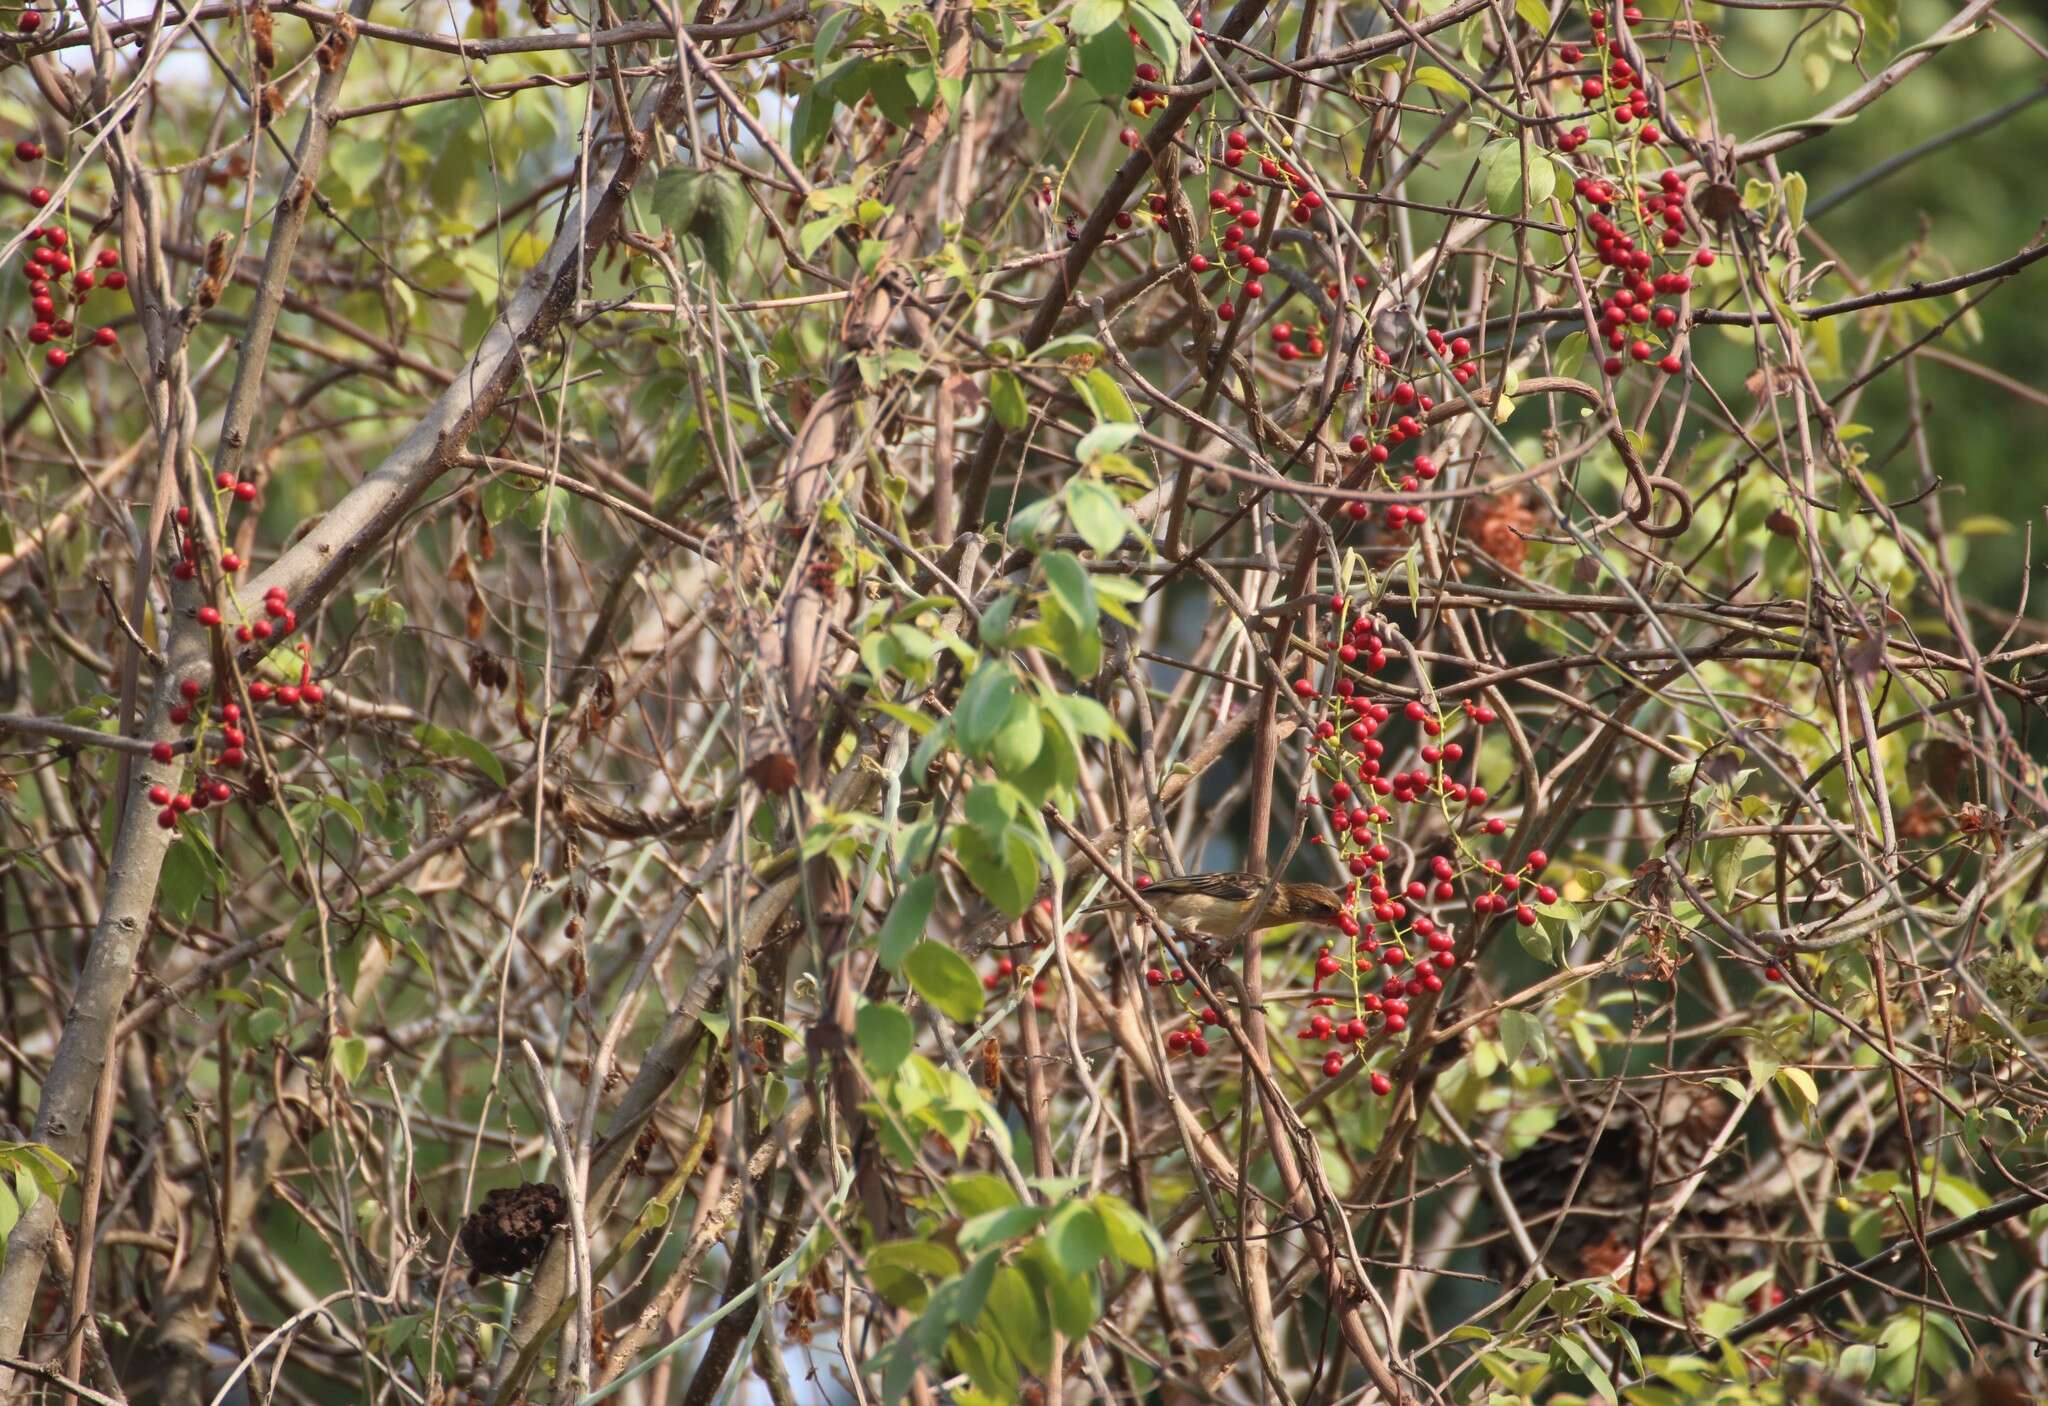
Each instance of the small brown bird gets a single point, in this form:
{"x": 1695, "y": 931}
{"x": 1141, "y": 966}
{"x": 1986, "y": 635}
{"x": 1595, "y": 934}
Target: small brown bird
{"x": 1222, "y": 905}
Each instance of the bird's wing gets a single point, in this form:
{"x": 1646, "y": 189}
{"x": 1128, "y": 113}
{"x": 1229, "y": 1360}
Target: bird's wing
{"x": 1230, "y": 887}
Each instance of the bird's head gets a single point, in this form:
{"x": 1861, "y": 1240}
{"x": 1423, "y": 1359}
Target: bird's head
{"x": 1313, "y": 903}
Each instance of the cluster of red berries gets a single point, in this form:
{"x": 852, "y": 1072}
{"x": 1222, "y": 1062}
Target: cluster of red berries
{"x": 1634, "y": 227}
{"x": 206, "y": 789}
{"x": 1388, "y": 918}
{"x": 1391, "y": 421}
{"x": 1038, "y": 924}
{"x": 1509, "y": 890}
{"x": 46, "y": 265}
{"x": 1619, "y": 85}
{"x": 187, "y": 566}
{"x": 1631, "y": 303}
{"x": 231, "y": 741}
{"x": 1240, "y": 241}
{"x": 1291, "y": 343}
{"x": 1144, "y": 99}
{"x": 1193, "y": 1040}
{"x": 1007, "y": 971}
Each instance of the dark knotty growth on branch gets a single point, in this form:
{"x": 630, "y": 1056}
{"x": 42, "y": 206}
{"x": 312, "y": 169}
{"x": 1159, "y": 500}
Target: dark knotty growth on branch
{"x": 507, "y": 1234}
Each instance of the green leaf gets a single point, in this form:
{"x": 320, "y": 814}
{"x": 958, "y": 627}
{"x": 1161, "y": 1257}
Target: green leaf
{"x": 985, "y": 705}
{"x": 1002, "y": 867}
{"x": 1019, "y": 741}
{"x": 1591, "y": 1370}
{"x": 1006, "y": 399}
{"x": 905, "y": 925}
{"x": 1104, "y": 439}
{"x": 904, "y": 92}
{"x": 1107, "y": 397}
{"x": 1131, "y": 1237}
{"x": 1076, "y": 1237}
{"x": 1534, "y": 14}
{"x": 899, "y": 1268}
{"x": 942, "y": 976}
{"x": 885, "y": 1035}
{"x": 998, "y": 1227}
{"x": 1070, "y": 586}
{"x": 711, "y": 206}
{"x": 829, "y": 32}
{"x": 1044, "y": 81}
{"x": 1438, "y": 81}
{"x": 1504, "y": 177}
{"x": 1794, "y": 186}
{"x": 1089, "y": 718}
{"x": 1070, "y": 1296}
{"x": 1570, "y": 354}
{"x": 1109, "y": 61}
{"x": 192, "y": 873}
{"x": 351, "y": 1057}
{"x": 448, "y": 742}
{"x": 1521, "y": 1032}
{"x": 976, "y": 1193}
{"x": 1094, "y": 16}
{"x": 1098, "y": 515}
{"x": 1800, "y": 1089}
{"x": 1019, "y": 1316}
{"x": 1072, "y": 344}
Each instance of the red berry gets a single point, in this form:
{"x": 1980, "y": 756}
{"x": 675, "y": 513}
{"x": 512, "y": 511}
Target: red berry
{"x": 30, "y": 21}
{"x": 1381, "y": 1084}
{"x": 117, "y": 280}
{"x": 1772, "y": 973}
{"x": 167, "y": 818}
{"x": 208, "y": 616}
{"x": 162, "y": 752}
{"x": 1129, "y": 137}
{"x": 27, "y": 151}
{"x": 39, "y": 196}
{"x": 106, "y": 336}
{"x": 56, "y": 238}
{"x": 232, "y": 758}
{"x": 107, "y": 258}
{"x": 58, "y": 358}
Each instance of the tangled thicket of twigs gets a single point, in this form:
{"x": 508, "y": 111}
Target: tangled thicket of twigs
{"x": 572, "y": 666}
